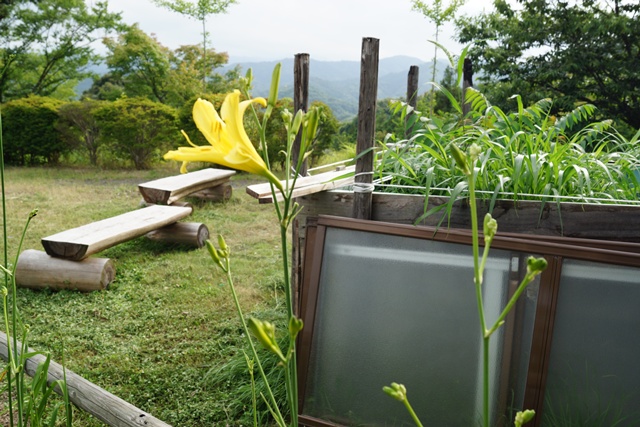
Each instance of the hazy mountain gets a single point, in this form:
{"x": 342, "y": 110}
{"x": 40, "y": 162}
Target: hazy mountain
{"x": 337, "y": 83}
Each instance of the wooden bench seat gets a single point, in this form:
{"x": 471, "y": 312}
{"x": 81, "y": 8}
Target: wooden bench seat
{"x": 80, "y": 242}
{"x": 306, "y": 185}
{"x": 165, "y": 191}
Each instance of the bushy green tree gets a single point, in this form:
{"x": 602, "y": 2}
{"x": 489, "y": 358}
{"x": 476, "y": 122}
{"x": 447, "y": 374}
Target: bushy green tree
{"x": 78, "y": 126}
{"x": 138, "y": 129}
{"x": 573, "y": 52}
{"x": 141, "y": 66}
{"x": 328, "y": 130}
{"x": 30, "y": 135}
{"x": 45, "y": 45}
{"x": 199, "y": 11}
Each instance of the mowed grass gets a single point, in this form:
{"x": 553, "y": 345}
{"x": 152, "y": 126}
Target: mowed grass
{"x": 168, "y": 317}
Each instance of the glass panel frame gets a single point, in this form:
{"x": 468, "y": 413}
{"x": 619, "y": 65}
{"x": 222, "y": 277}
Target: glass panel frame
{"x": 553, "y": 249}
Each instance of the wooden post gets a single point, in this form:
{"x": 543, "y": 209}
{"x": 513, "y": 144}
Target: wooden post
{"x": 412, "y": 95}
{"x": 87, "y": 396}
{"x": 362, "y": 188}
{"x": 300, "y": 102}
{"x": 37, "y": 270}
{"x": 467, "y": 82}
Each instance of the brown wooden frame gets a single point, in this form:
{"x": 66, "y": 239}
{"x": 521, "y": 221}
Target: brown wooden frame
{"x": 554, "y": 249}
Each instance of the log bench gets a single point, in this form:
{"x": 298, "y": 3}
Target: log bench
{"x": 209, "y": 184}
{"x": 66, "y": 263}
{"x": 80, "y": 242}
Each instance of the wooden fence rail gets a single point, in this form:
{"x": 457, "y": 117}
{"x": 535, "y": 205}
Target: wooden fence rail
{"x": 87, "y": 396}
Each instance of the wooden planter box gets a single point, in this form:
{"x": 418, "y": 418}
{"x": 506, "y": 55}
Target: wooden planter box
{"x": 619, "y": 223}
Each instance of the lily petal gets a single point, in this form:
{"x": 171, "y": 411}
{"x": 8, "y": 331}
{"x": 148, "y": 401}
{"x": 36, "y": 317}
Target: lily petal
{"x": 229, "y": 143}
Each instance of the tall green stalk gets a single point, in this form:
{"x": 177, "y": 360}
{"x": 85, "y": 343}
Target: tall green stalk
{"x": 535, "y": 266}
{"x": 286, "y": 210}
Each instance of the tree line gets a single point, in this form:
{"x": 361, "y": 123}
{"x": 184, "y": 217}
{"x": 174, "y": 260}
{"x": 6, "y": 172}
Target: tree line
{"x": 129, "y": 116}
{"x": 573, "y": 53}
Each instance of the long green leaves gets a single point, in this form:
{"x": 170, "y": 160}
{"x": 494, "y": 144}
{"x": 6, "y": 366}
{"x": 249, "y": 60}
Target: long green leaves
{"x": 527, "y": 154}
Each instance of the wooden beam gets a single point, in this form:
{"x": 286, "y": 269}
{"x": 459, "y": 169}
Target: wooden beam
{"x": 412, "y": 95}
{"x": 80, "y": 242}
{"x": 37, "y": 270}
{"x": 366, "y": 127}
{"x": 300, "y": 102}
{"x": 306, "y": 185}
{"x": 87, "y": 396}
{"x": 165, "y": 191}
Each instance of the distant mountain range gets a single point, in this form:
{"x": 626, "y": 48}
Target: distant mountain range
{"x": 337, "y": 83}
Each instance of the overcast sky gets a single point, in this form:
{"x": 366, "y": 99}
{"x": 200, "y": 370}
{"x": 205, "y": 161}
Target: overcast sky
{"x": 329, "y": 30}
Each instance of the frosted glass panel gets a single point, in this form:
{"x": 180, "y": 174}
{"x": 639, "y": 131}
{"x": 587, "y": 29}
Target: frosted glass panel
{"x": 594, "y": 378}
{"x": 396, "y": 309}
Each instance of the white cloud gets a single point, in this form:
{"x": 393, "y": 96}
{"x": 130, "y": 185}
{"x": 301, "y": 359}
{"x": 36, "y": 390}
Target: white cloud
{"x": 277, "y": 29}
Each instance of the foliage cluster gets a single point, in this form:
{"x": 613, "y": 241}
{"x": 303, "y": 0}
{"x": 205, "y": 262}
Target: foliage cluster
{"x": 51, "y": 62}
{"x": 527, "y": 154}
{"x": 127, "y": 131}
{"x": 573, "y": 52}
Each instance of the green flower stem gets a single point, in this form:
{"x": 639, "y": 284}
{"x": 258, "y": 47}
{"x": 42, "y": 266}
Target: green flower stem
{"x": 415, "y": 418}
{"x": 478, "y": 284}
{"x": 512, "y": 302}
{"x": 291, "y": 371}
{"x": 279, "y": 417}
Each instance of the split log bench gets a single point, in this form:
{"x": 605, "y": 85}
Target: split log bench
{"x": 208, "y": 184}
{"x": 66, "y": 265}
{"x": 306, "y": 185}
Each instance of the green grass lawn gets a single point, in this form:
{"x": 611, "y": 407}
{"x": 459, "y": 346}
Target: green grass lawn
{"x": 168, "y": 317}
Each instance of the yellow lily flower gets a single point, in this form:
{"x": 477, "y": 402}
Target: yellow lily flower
{"x": 230, "y": 144}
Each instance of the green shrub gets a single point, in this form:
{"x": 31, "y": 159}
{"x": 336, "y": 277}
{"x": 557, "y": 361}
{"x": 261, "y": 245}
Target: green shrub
{"x": 30, "y": 133}
{"x": 79, "y": 128}
{"x": 138, "y": 130}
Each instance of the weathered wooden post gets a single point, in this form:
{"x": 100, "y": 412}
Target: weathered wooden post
{"x": 363, "y": 187}
{"x": 300, "y": 100}
{"x": 412, "y": 95}
{"x": 467, "y": 82}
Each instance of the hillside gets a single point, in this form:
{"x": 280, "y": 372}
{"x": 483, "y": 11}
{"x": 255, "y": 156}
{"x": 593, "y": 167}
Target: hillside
{"x": 337, "y": 83}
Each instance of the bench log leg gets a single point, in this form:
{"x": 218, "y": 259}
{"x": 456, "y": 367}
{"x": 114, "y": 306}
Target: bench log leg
{"x": 185, "y": 233}
{"x": 219, "y": 193}
{"x": 37, "y": 270}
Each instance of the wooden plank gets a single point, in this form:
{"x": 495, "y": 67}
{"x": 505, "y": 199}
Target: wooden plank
{"x": 78, "y": 243}
{"x": 585, "y": 221}
{"x": 306, "y": 185}
{"x": 106, "y": 407}
{"x": 167, "y": 190}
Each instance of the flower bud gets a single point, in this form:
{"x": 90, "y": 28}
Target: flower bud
{"x": 295, "y": 326}
{"x": 536, "y": 265}
{"x": 214, "y": 255}
{"x": 460, "y": 158}
{"x": 397, "y": 391}
{"x": 474, "y": 152}
{"x": 33, "y": 213}
{"x": 524, "y": 417}
{"x": 490, "y": 228}
{"x": 265, "y": 333}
